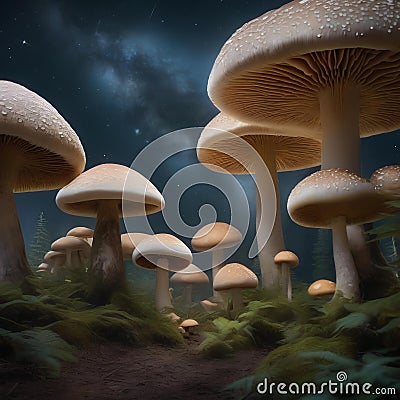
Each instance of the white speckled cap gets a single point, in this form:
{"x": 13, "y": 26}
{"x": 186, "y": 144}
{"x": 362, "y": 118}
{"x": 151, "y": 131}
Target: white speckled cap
{"x": 331, "y": 193}
{"x": 217, "y": 235}
{"x": 386, "y": 180}
{"x": 225, "y": 142}
{"x": 110, "y": 182}
{"x": 190, "y": 275}
{"x": 272, "y": 69}
{"x": 165, "y": 247}
{"x": 43, "y": 147}
{"x": 233, "y": 276}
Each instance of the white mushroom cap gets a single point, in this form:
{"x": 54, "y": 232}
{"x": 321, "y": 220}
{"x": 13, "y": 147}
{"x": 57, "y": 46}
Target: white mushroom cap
{"x": 190, "y": 275}
{"x": 324, "y": 195}
{"x": 386, "y": 180}
{"x": 138, "y": 196}
{"x": 272, "y": 69}
{"x": 149, "y": 251}
{"x": 129, "y": 242}
{"x": 217, "y": 235}
{"x": 43, "y": 267}
{"x": 45, "y": 150}
{"x": 233, "y": 276}
{"x": 288, "y": 258}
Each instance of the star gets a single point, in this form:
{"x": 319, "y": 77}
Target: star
{"x": 25, "y": 43}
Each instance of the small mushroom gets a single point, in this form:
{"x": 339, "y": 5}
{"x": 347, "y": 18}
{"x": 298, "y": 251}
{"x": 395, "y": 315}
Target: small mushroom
{"x": 162, "y": 252}
{"x": 322, "y": 288}
{"x": 285, "y": 260}
{"x": 72, "y": 246}
{"x": 43, "y": 267}
{"x": 129, "y": 242}
{"x": 386, "y": 182}
{"x": 55, "y": 260}
{"x": 189, "y": 325}
{"x": 188, "y": 277}
{"x": 82, "y": 232}
{"x": 234, "y": 278}
{"x": 210, "y": 306}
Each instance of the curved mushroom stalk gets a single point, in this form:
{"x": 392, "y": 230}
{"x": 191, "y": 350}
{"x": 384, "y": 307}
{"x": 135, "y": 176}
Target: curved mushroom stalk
{"x": 13, "y": 263}
{"x": 106, "y": 267}
{"x": 347, "y": 282}
{"x": 163, "y": 297}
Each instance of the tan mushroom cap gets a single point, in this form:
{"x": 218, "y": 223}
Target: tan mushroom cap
{"x": 189, "y": 323}
{"x": 233, "y": 276}
{"x": 44, "y": 150}
{"x": 129, "y": 242}
{"x": 322, "y": 287}
{"x": 217, "y": 235}
{"x": 43, "y": 267}
{"x": 272, "y": 69}
{"x": 288, "y": 258}
{"x": 81, "y": 232}
{"x": 163, "y": 246}
{"x": 386, "y": 180}
{"x": 51, "y": 256}
{"x": 71, "y": 243}
{"x": 138, "y": 196}
{"x": 331, "y": 193}
{"x": 224, "y": 143}
{"x": 190, "y": 275}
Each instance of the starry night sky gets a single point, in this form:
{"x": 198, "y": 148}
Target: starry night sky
{"x": 123, "y": 73}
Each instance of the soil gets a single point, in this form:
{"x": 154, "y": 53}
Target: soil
{"x": 116, "y": 372}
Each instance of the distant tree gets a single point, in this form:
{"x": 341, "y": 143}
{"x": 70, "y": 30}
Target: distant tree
{"x": 322, "y": 254}
{"x": 40, "y": 243}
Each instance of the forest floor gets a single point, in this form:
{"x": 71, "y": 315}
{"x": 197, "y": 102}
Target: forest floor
{"x": 116, "y": 372}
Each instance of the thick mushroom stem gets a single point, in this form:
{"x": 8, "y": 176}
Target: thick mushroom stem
{"x": 237, "y": 300}
{"x": 163, "y": 298}
{"x": 217, "y": 261}
{"x": 347, "y": 281}
{"x": 266, "y": 198}
{"x": 106, "y": 267}
{"x": 13, "y": 263}
{"x": 187, "y": 295}
{"x": 286, "y": 282}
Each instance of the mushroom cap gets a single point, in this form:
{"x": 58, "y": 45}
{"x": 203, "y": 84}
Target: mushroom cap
{"x": 45, "y": 150}
{"x": 288, "y": 258}
{"x": 71, "y": 243}
{"x": 129, "y": 242}
{"x": 386, "y": 180}
{"x": 43, "y": 267}
{"x": 322, "y": 287}
{"x": 189, "y": 323}
{"x": 110, "y": 182}
{"x": 217, "y": 235}
{"x": 233, "y": 276}
{"x": 228, "y": 144}
{"x": 324, "y": 195}
{"x": 150, "y": 251}
{"x": 51, "y": 256}
{"x": 190, "y": 275}
{"x": 272, "y": 69}
{"x": 81, "y": 232}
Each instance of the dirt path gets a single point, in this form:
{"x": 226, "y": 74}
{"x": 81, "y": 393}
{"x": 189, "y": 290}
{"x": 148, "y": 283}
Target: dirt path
{"x": 115, "y": 372}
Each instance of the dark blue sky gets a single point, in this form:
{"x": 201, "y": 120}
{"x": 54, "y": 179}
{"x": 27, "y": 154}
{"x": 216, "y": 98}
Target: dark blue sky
{"x": 123, "y": 73}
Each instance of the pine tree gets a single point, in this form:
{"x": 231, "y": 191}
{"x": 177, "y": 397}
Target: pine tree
{"x": 40, "y": 243}
{"x": 322, "y": 254}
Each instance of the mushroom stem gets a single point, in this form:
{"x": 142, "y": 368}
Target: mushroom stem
{"x": 289, "y": 287}
{"x": 163, "y": 298}
{"x": 106, "y": 267}
{"x": 237, "y": 300}
{"x": 346, "y": 274}
{"x": 187, "y": 295}
{"x": 286, "y": 281}
{"x": 13, "y": 263}
{"x": 266, "y": 198}
{"x": 217, "y": 261}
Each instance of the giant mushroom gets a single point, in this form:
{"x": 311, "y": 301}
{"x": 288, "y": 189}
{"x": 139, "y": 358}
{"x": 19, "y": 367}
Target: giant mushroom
{"x": 162, "y": 252}
{"x": 38, "y": 151}
{"x": 327, "y": 68}
{"x": 99, "y": 192}
{"x": 230, "y": 146}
